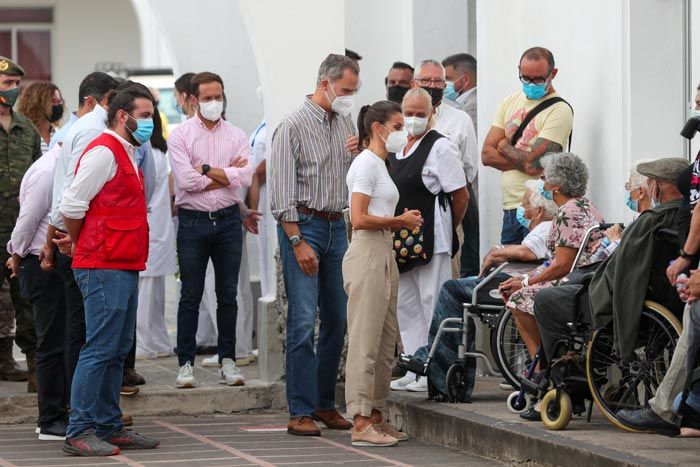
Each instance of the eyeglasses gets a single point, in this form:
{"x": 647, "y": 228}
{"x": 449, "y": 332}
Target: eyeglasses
{"x": 534, "y": 79}
{"x": 435, "y": 83}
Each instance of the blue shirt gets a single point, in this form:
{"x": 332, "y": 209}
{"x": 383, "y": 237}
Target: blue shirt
{"x": 60, "y": 135}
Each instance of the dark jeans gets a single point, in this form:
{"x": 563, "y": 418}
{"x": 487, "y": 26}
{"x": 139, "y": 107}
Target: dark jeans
{"x": 111, "y": 297}
{"x": 75, "y": 314}
{"x": 555, "y": 307}
{"x": 25, "y": 337}
{"x": 198, "y": 239}
{"x": 312, "y": 375}
{"x": 512, "y": 233}
{"x": 469, "y": 258}
{"x": 45, "y": 291}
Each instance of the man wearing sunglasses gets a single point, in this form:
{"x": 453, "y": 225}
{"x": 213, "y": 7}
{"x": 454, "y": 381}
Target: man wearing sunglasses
{"x": 517, "y": 153}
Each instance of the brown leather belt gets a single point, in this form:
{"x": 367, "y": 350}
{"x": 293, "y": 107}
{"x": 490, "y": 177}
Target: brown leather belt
{"x": 327, "y": 215}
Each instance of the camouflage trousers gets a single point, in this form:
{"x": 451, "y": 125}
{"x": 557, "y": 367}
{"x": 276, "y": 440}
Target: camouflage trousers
{"x": 13, "y": 307}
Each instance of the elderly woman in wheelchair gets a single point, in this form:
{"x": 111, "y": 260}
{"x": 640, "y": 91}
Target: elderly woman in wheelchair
{"x": 621, "y": 363}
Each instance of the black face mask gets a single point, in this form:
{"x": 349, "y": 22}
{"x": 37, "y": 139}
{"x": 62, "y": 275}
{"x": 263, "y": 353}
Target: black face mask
{"x": 396, "y": 93}
{"x": 56, "y": 113}
{"x": 435, "y": 95}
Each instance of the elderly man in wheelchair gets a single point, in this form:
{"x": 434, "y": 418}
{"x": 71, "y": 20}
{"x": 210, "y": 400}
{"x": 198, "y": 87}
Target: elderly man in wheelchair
{"x": 535, "y": 214}
{"x": 631, "y": 306}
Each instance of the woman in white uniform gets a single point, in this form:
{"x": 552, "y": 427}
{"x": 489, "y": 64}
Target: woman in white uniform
{"x": 429, "y": 176}
{"x": 152, "y": 338}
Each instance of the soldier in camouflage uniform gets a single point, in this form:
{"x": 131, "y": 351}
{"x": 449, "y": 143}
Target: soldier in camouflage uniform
{"x": 20, "y": 145}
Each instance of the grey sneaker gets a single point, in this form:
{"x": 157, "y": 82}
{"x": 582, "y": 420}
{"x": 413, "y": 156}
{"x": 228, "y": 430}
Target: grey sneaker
{"x": 129, "y": 439}
{"x": 55, "y": 432}
{"x": 87, "y": 444}
{"x": 230, "y": 374}
{"x": 185, "y": 377}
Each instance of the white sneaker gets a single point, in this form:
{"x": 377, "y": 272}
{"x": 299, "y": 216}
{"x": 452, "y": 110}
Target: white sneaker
{"x": 185, "y": 377}
{"x": 212, "y": 361}
{"x": 418, "y": 386}
{"x": 229, "y": 373}
{"x": 401, "y": 383}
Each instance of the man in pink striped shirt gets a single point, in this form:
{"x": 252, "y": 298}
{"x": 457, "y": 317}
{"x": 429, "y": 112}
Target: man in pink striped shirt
{"x": 210, "y": 163}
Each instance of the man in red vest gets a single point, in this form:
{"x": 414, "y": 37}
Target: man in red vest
{"x": 105, "y": 210}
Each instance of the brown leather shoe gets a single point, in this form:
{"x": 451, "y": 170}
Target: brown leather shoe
{"x": 128, "y": 390}
{"x": 131, "y": 378}
{"x": 302, "y": 426}
{"x": 332, "y": 419}
{"x": 127, "y": 419}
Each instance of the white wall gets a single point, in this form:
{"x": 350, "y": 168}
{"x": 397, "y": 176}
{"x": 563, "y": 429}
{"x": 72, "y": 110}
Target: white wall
{"x": 87, "y": 32}
{"x": 210, "y": 36}
{"x": 621, "y": 71}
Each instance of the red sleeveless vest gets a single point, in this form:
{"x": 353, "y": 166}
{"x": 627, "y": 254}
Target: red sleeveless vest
{"x": 115, "y": 231}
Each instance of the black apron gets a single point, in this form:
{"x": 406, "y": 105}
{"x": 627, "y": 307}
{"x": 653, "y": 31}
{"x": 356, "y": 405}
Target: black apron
{"x": 415, "y": 247}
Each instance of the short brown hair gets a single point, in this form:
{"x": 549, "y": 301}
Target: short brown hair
{"x": 204, "y": 78}
{"x": 537, "y": 53}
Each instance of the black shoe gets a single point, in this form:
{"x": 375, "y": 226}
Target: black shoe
{"x": 131, "y": 378}
{"x": 55, "y": 432}
{"x": 531, "y": 415}
{"x": 129, "y": 439}
{"x": 647, "y": 421}
{"x": 87, "y": 444}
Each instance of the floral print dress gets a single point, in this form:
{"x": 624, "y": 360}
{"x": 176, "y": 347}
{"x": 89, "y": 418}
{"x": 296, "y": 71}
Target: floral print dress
{"x": 569, "y": 226}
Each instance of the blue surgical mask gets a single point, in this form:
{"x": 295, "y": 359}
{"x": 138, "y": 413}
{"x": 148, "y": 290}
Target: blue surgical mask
{"x": 144, "y": 130}
{"x": 520, "y": 215}
{"x": 695, "y": 113}
{"x": 535, "y": 91}
{"x": 546, "y": 194}
{"x": 633, "y": 204}
{"x": 449, "y": 92}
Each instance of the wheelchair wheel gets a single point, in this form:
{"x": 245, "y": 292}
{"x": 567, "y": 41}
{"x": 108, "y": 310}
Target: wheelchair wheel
{"x": 455, "y": 384}
{"x": 556, "y": 411}
{"x": 513, "y": 405}
{"x": 617, "y": 385}
{"x": 509, "y": 351}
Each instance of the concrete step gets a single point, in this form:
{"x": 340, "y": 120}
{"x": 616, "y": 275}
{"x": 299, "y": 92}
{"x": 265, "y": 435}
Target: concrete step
{"x": 485, "y": 428}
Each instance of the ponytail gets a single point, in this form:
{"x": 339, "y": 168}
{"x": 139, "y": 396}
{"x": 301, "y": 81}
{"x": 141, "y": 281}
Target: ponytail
{"x": 362, "y": 132}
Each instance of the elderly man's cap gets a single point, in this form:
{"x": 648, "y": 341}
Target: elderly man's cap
{"x": 666, "y": 170}
{"x": 8, "y": 67}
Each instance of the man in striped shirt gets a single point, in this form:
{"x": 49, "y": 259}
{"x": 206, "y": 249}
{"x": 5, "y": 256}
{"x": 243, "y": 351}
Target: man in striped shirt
{"x": 210, "y": 164}
{"x": 309, "y": 161}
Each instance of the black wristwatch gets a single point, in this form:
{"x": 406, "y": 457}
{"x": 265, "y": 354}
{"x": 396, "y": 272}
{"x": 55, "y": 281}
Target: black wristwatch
{"x": 296, "y": 239}
{"x": 205, "y": 168}
{"x": 685, "y": 255}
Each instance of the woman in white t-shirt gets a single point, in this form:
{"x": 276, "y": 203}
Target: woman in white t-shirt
{"x": 370, "y": 274}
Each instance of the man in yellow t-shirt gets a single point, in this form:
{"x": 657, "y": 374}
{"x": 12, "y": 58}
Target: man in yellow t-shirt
{"x": 548, "y": 132}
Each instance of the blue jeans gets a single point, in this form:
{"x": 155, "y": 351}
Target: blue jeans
{"x": 198, "y": 239}
{"x": 110, "y": 297}
{"x": 512, "y": 233}
{"x": 311, "y": 376}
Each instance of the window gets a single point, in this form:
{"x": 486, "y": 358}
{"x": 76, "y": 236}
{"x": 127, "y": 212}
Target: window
{"x": 25, "y": 37}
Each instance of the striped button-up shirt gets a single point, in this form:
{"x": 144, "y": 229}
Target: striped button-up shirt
{"x": 309, "y": 162}
{"x": 191, "y": 145}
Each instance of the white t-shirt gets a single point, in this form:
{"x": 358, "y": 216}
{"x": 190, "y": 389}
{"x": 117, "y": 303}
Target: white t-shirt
{"x": 457, "y": 125}
{"x": 536, "y": 240}
{"x": 368, "y": 175}
{"x": 442, "y": 171}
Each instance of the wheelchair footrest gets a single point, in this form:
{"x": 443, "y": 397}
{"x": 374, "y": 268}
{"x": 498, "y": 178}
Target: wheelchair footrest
{"x": 415, "y": 365}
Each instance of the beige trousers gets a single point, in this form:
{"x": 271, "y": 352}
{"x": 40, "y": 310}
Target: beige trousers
{"x": 371, "y": 280}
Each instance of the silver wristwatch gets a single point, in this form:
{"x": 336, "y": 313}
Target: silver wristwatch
{"x": 295, "y": 239}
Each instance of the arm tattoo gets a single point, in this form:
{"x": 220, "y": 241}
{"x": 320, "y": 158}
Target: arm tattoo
{"x": 524, "y": 160}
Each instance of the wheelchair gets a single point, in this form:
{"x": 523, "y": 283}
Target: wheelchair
{"x": 589, "y": 371}
{"x": 508, "y": 349}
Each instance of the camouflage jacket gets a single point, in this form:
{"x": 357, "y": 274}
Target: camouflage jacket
{"x": 18, "y": 150}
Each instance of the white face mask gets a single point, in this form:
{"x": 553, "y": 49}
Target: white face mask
{"x": 695, "y": 113}
{"x": 396, "y": 140}
{"x": 342, "y": 104}
{"x": 415, "y": 125}
{"x": 211, "y": 110}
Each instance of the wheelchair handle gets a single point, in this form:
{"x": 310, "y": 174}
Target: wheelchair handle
{"x": 607, "y": 225}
